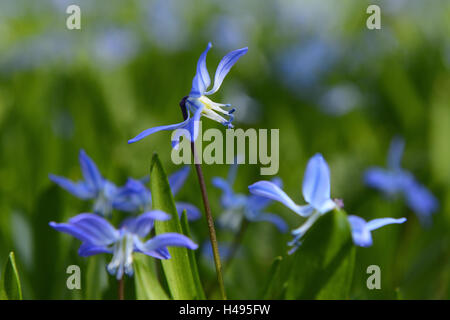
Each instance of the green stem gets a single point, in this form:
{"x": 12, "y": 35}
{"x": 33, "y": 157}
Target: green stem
{"x": 210, "y": 221}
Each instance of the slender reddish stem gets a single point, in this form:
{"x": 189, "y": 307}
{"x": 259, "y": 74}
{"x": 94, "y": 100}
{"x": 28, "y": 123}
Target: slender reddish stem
{"x": 121, "y": 289}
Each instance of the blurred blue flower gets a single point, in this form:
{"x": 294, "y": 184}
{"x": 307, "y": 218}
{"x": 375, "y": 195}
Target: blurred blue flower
{"x": 198, "y": 103}
{"x": 340, "y": 99}
{"x": 94, "y": 186}
{"x": 395, "y": 180}
{"x": 99, "y": 236}
{"x": 252, "y": 206}
{"x": 166, "y": 23}
{"x": 135, "y": 196}
{"x": 306, "y": 64}
{"x": 39, "y": 51}
{"x": 361, "y": 230}
{"x": 230, "y": 31}
{"x": 114, "y": 46}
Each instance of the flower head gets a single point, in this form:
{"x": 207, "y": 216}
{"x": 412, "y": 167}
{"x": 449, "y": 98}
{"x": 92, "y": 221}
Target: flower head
{"x": 135, "y": 196}
{"x": 361, "y": 230}
{"x": 252, "y": 206}
{"x": 93, "y": 186}
{"x": 316, "y": 191}
{"x": 396, "y": 180}
{"x": 99, "y": 236}
{"x": 197, "y": 101}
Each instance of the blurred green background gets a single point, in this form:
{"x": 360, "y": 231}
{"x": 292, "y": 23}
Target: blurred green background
{"x": 313, "y": 70}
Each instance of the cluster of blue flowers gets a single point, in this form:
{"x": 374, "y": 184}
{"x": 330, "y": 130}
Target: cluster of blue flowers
{"x": 98, "y": 235}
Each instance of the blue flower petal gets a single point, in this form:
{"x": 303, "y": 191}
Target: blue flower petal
{"x": 78, "y": 189}
{"x": 272, "y": 191}
{"x": 258, "y": 203}
{"x": 301, "y": 231}
{"x": 180, "y": 132}
{"x": 138, "y": 189}
{"x": 110, "y": 190}
{"x": 90, "y": 228}
{"x": 150, "y": 131}
{"x": 396, "y": 153}
{"x": 326, "y": 205}
{"x": 127, "y": 200}
{"x": 274, "y": 219}
{"x": 361, "y": 229}
{"x": 383, "y": 180}
{"x": 360, "y": 232}
{"x": 229, "y": 199}
{"x": 87, "y": 249}
{"x": 91, "y": 174}
{"x": 316, "y": 184}
{"x": 161, "y": 253}
{"x": 232, "y": 171}
{"x": 177, "y": 179}
{"x": 222, "y": 184}
{"x": 378, "y": 223}
{"x": 421, "y": 201}
{"x": 201, "y": 80}
{"x": 193, "y": 125}
{"x": 167, "y": 240}
{"x": 142, "y": 224}
{"x": 224, "y": 67}
{"x": 192, "y": 212}
{"x": 133, "y": 196}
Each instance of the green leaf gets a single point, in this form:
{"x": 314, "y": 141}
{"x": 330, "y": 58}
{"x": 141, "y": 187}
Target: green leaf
{"x": 10, "y": 288}
{"x": 274, "y": 272}
{"x": 322, "y": 266}
{"x": 46, "y": 244}
{"x": 192, "y": 260}
{"x": 177, "y": 269}
{"x": 146, "y": 281}
{"x": 96, "y": 277}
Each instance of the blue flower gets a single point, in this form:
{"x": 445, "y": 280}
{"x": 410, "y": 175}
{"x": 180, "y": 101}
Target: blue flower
{"x": 99, "y": 236}
{"x": 94, "y": 186}
{"x": 395, "y": 180}
{"x": 252, "y": 206}
{"x": 197, "y": 101}
{"x": 316, "y": 191}
{"x": 361, "y": 230}
{"x": 135, "y": 196}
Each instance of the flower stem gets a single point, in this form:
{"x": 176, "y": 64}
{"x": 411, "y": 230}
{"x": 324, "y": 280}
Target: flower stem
{"x": 210, "y": 221}
{"x": 120, "y": 289}
{"x": 209, "y": 218}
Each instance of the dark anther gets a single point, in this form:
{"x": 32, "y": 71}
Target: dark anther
{"x": 183, "y": 107}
